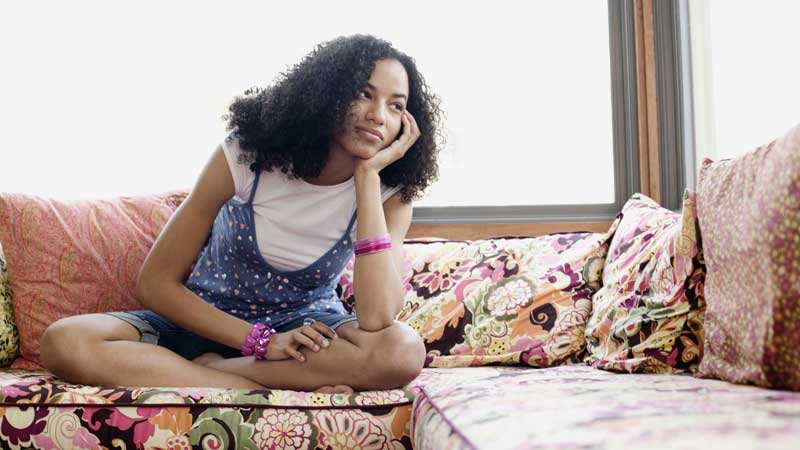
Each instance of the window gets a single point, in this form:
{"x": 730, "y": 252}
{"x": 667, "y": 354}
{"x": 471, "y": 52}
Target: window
{"x": 746, "y": 74}
{"x": 125, "y": 99}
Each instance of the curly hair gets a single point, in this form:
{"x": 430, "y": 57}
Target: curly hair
{"x": 290, "y": 124}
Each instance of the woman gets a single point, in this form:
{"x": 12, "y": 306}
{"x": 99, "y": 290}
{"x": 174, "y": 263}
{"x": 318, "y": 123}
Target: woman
{"x": 322, "y": 164}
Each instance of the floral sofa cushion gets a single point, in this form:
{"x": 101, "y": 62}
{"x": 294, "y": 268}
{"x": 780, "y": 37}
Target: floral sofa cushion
{"x": 9, "y": 337}
{"x": 579, "y": 407}
{"x": 39, "y": 411}
{"x": 503, "y": 300}
{"x": 749, "y": 209}
{"x": 648, "y": 316}
{"x": 75, "y": 257}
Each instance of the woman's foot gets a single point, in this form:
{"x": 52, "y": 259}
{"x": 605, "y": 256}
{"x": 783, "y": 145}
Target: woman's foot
{"x": 338, "y": 389}
{"x": 207, "y": 358}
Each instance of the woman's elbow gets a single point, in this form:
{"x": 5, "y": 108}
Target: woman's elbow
{"x": 377, "y": 321}
{"x": 373, "y": 324}
{"x": 144, "y": 289}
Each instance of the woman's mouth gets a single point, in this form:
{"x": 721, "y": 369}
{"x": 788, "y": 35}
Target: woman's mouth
{"x": 370, "y": 135}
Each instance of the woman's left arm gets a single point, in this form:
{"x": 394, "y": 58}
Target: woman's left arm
{"x": 377, "y": 283}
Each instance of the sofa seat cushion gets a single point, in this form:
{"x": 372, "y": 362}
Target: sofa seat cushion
{"x": 577, "y": 406}
{"x": 40, "y": 411}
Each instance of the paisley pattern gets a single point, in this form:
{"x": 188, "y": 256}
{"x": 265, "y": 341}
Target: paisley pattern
{"x": 749, "y": 210}
{"x": 648, "y": 316}
{"x": 506, "y": 300}
{"x": 490, "y": 407}
{"x": 578, "y": 407}
{"x": 9, "y": 337}
{"x": 75, "y": 257}
{"x": 39, "y": 411}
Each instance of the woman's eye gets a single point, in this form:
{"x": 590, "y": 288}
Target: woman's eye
{"x": 363, "y": 94}
{"x": 399, "y": 106}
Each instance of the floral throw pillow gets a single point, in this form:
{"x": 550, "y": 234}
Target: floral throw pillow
{"x": 749, "y": 209}
{"x": 75, "y": 257}
{"x": 505, "y": 300}
{"x": 9, "y": 337}
{"x": 648, "y": 315}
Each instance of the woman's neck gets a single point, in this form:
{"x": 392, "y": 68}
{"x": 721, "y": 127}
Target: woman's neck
{"x": 337, "y": 170}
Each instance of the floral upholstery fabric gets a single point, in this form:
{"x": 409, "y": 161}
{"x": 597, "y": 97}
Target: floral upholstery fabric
{"x": 749, "y": 210}
{"x": 38, "y": 411}
{"x": 648, "y": 316}
{"x": 578, "y": 407}
{"x": 9, "y": 337}
{"x": 507, "y": 301}
{"x": 77, "y": 257}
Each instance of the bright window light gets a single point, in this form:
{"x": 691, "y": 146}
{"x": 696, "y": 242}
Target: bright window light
{"x": 754, "y": 73}
{"x": 103, "y": 99}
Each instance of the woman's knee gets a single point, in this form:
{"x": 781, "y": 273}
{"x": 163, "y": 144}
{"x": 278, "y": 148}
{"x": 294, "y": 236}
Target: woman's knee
{"x": 66, "y": 340}
{"x": 397, "y": 356}
{"x": 59, "y": 343}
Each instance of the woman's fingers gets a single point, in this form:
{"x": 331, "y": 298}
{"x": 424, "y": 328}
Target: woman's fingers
{"x": 414, "y": 127}
{"x": 294, "y": 353}
{"x": 324, "y": 329}
{"x": 410, "y": 131}
{"x": 303, "y": 338}
{"x": 315, "y": 335}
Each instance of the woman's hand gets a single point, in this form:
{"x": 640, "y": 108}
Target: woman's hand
{"x": 287, "y": 344}
{"x": 396, "y": 150}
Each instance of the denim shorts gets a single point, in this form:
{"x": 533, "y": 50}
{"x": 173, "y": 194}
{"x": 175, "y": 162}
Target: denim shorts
{"x": 156, "y": 329}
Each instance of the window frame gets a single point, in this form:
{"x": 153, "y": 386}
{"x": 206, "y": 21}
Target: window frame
{"x": 675, "y": 140}
{"x": 625, "y": 148}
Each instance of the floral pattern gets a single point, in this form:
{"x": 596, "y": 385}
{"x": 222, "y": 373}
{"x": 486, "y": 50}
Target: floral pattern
{"x": 506, "y": 300}
{"x": 9, "y": 336}
{"x": 42, "y": 412}
{"x": 579, "y": 407}
{"x": 648, "y": 316}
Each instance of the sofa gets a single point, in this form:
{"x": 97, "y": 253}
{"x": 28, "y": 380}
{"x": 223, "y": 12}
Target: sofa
{"x": 669, "y": 330}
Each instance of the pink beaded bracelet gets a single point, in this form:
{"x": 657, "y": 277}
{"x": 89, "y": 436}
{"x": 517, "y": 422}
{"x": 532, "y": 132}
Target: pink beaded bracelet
{"x": 372, "y": 245}
{"x": 255, "y": 344}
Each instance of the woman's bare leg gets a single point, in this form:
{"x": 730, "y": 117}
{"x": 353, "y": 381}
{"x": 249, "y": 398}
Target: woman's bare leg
{"x": 99, "y": 349}
{"x": 208, "y": 358}
{"x": 385, "y": 359}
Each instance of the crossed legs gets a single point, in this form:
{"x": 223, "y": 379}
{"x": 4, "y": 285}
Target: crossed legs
{"x": 364, "y": 360}
{"x": 99, "y": 349}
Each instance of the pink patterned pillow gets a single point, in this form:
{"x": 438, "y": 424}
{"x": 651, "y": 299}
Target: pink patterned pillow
{"x": 749, "y": 210}
{"x": 648, "y": 316}
{"x": 500, "y": 301}
{"x": 77, "y": 257}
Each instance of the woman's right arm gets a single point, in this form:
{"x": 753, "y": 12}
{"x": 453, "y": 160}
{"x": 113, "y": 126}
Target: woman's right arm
{"x": 160, "y": 283}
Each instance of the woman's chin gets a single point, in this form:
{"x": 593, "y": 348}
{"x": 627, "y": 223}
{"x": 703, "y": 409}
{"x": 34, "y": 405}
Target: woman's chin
{"x": 364, "y": 153}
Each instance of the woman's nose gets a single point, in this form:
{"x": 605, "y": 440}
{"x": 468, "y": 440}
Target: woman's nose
{"x": 376, "y": 114}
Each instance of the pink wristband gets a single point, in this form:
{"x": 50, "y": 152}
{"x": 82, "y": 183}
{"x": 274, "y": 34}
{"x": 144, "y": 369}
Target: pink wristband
{"x": 255, "y": 344}
{"x": 372, "y": 245}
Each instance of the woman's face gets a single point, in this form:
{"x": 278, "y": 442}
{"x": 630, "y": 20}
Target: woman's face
{"x": 374, "y": 120}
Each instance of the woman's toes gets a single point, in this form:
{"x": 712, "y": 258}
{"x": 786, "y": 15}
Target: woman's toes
{"x": 338, "y": 389}
{"x": 342, "y": 389}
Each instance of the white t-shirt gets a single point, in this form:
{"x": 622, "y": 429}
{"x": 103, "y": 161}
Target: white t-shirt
{"x": 296, "y": 222}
